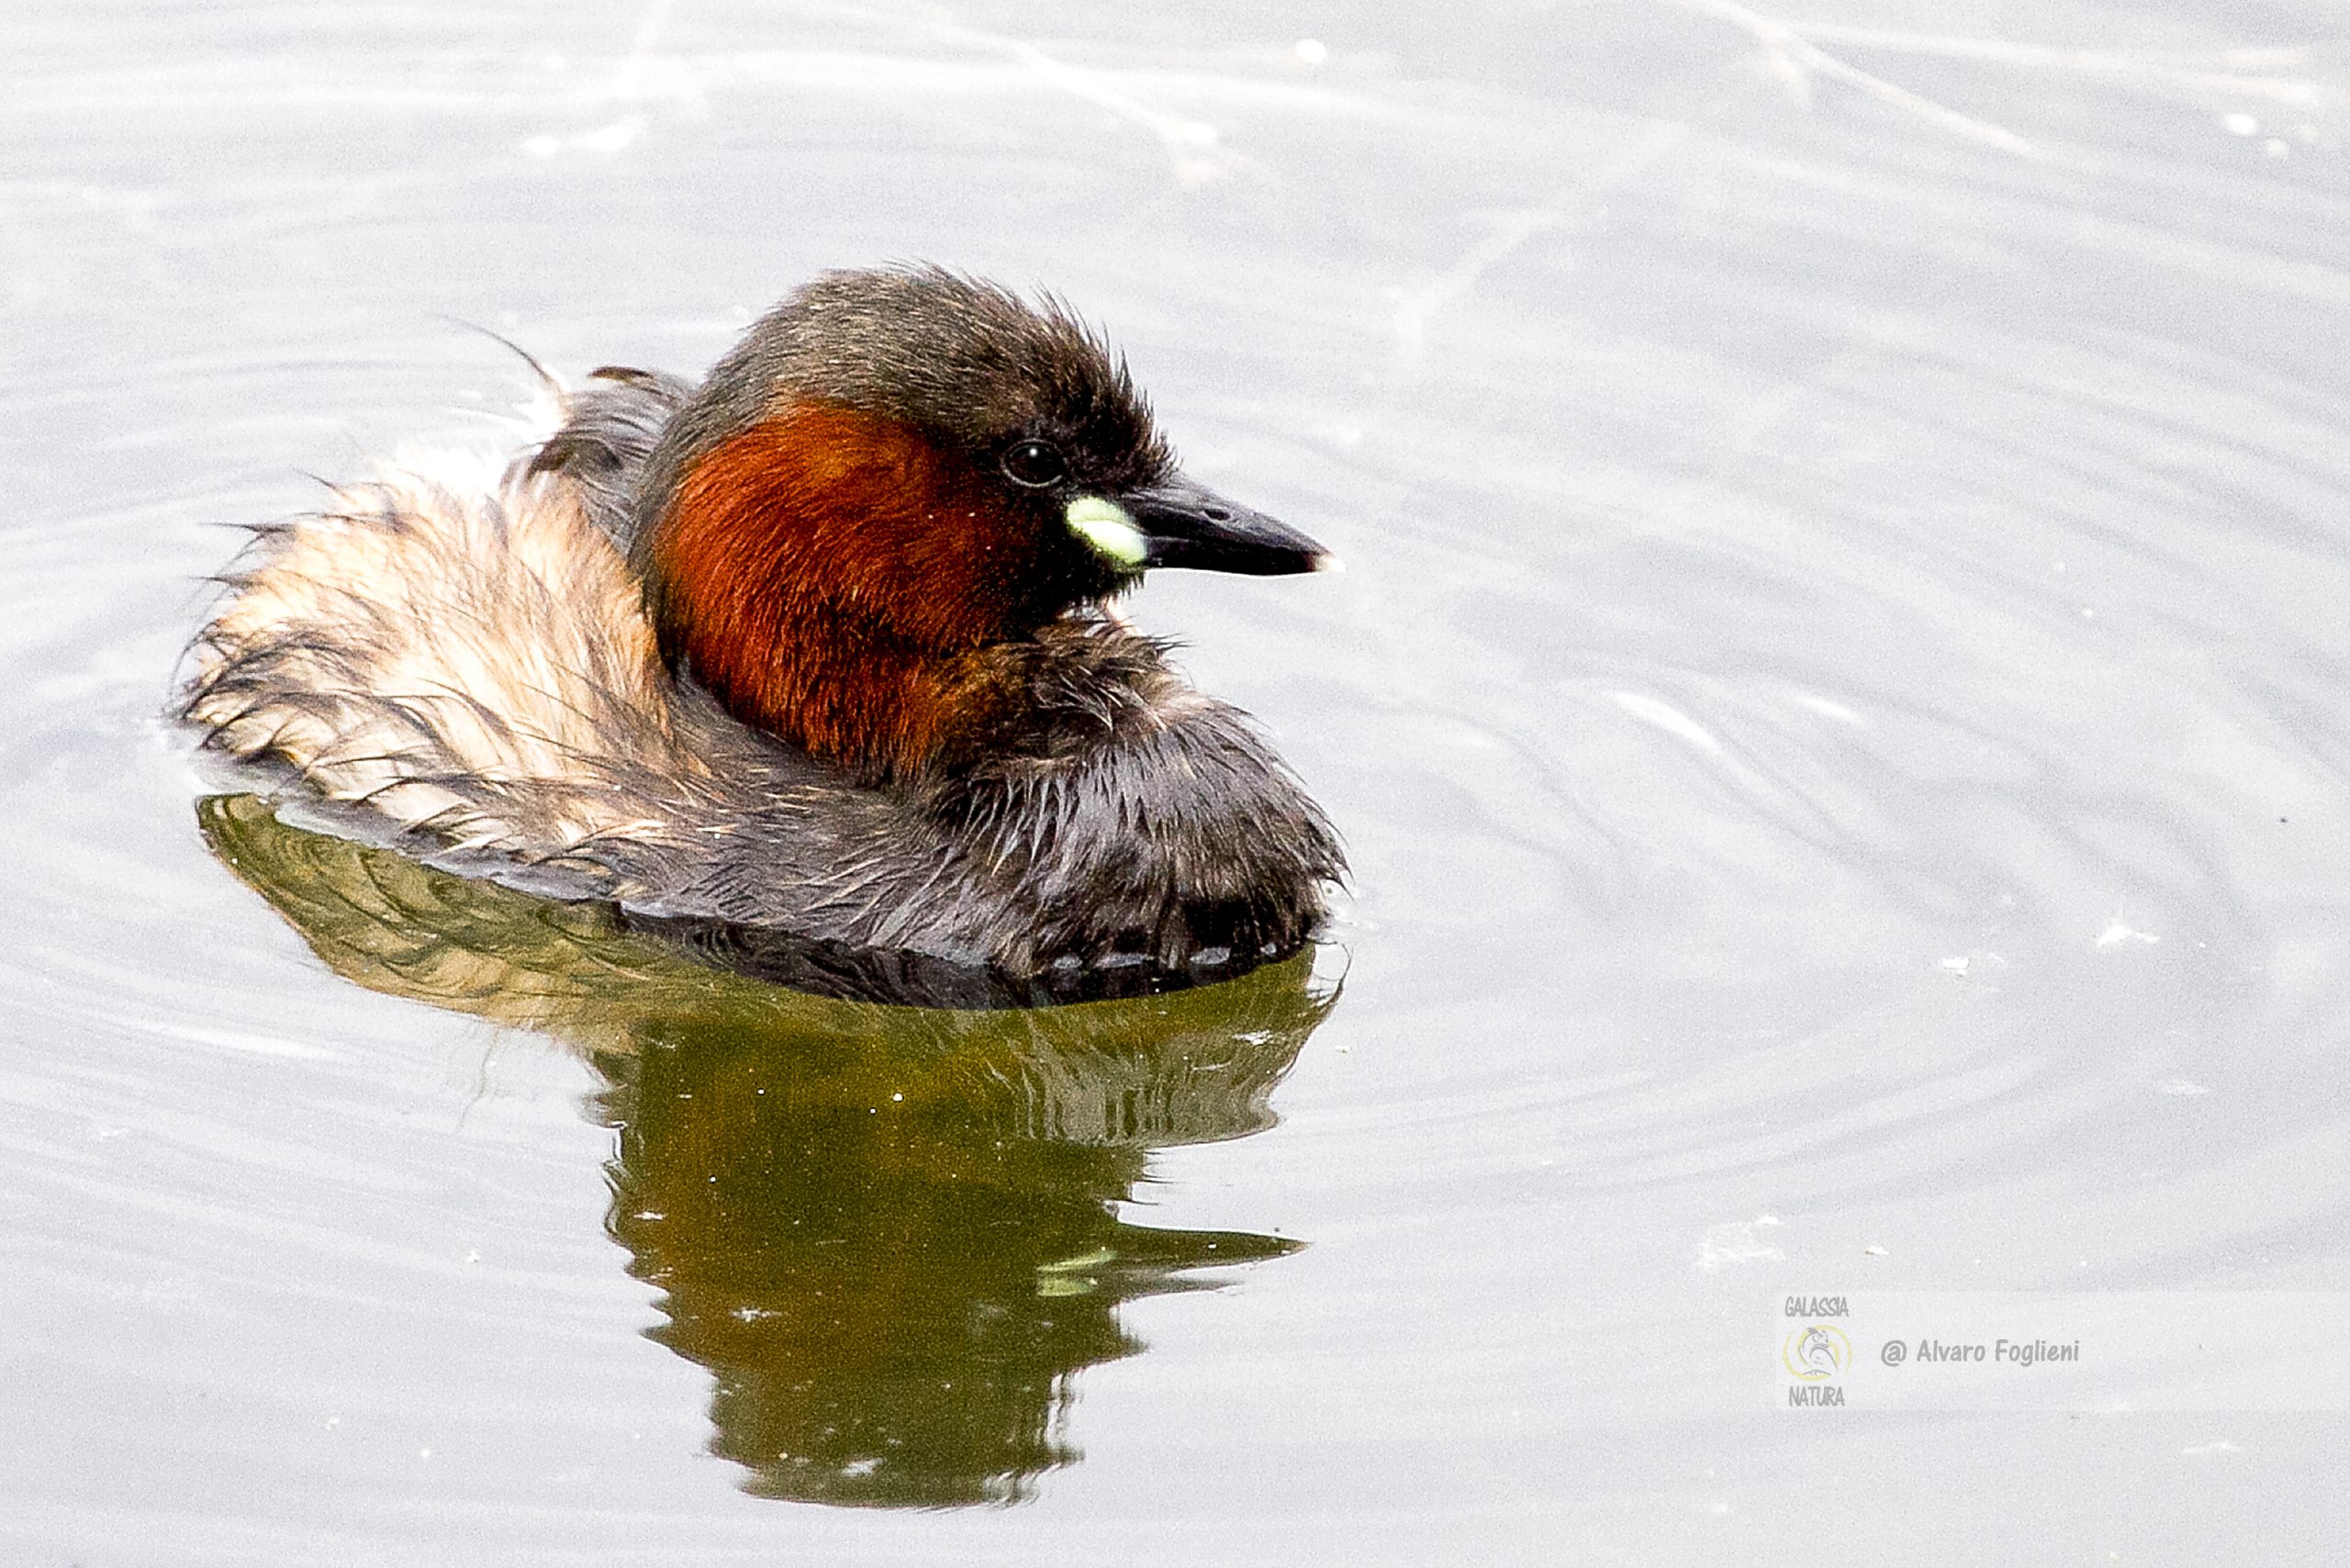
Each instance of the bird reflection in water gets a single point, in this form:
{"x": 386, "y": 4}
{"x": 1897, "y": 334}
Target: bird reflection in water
{"x": 892, "y": 1234}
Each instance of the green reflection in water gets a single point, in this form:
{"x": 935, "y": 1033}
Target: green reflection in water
{"x": 890, "y": 1233}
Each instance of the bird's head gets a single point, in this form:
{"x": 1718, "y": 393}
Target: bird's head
{"x": 892, "y": 470}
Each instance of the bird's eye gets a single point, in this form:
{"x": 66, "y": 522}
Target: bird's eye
{"x": 1034, "y": 465}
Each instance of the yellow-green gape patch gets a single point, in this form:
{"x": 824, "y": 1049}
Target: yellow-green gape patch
{"x": 1105, "y": 526}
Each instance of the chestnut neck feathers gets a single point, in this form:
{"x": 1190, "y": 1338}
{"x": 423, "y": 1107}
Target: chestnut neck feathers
{"x": 850, "y": 523}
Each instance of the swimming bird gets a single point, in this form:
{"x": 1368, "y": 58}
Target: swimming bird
{"x": 822, "y": 647}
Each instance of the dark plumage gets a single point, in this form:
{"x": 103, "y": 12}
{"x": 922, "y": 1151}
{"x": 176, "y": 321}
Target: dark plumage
{"x": 812, "y": 648}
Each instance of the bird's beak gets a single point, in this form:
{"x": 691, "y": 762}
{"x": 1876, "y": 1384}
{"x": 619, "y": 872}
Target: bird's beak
{"x": 1184, "y": 523}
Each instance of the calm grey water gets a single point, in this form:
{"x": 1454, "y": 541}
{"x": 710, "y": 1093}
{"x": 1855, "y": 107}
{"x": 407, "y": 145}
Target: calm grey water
{"x": 1838, "y": 705}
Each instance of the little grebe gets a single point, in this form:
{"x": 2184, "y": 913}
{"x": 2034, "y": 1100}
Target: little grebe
{"x": 817, "y": 646}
